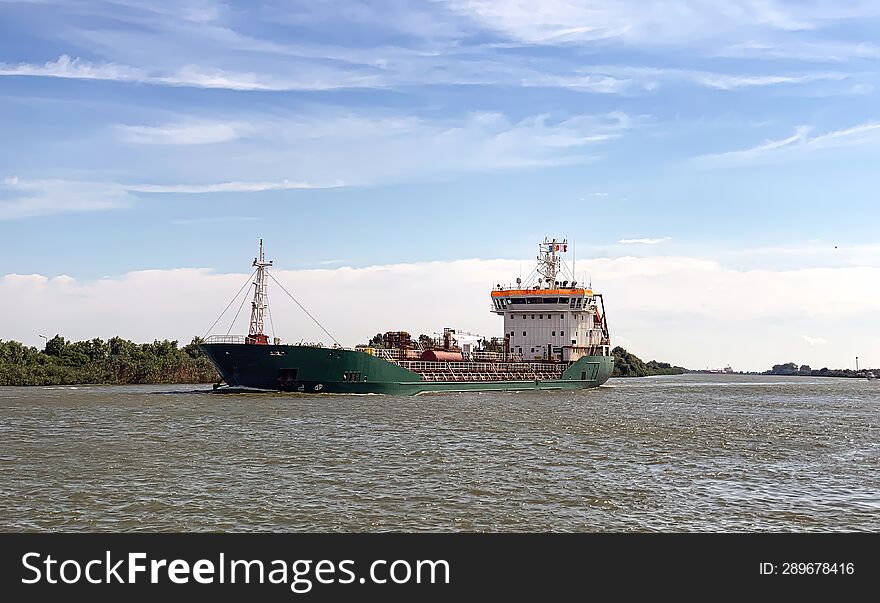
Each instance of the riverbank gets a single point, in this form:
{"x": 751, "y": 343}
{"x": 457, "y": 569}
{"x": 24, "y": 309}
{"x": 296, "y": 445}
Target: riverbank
{"x": 114, "y": 362}
{"x": 122, "y": 362}
{"x": 627, "y": 364}
{"x": 793, "y": 370}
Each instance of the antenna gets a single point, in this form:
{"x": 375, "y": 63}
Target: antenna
{"x": 574, "y": 258}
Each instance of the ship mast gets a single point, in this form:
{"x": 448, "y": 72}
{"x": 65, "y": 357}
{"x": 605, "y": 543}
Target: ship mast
{"x": 258, "y": 306}
{"x": 549, "y": 263}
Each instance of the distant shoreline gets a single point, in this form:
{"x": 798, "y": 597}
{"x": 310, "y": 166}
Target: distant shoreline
{"x": 791, "y": 369}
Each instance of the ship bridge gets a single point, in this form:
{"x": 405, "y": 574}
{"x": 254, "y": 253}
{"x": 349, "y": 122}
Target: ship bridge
{"x": 548, "y": 317}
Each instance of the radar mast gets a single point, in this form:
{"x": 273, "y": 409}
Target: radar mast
{"x": 258, "y": 305}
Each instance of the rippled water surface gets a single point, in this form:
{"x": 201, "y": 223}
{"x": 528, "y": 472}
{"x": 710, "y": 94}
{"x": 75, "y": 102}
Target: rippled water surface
{"x": 691, "y": 453}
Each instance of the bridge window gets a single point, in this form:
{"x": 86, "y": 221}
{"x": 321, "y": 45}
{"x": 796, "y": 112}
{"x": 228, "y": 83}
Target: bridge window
{"x": 551, "y": 300}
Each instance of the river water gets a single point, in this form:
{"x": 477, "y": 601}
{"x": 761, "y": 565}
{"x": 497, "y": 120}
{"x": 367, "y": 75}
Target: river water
{"x": 689, "y": 453}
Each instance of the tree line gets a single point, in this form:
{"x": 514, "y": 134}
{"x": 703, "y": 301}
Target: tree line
{"x": 791, "y": 369}
{"x": 114, "y": 362}
{"x": 627, "y": 364}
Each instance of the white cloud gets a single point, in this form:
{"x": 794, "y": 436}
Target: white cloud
{"x": 724, "y": 81}
{"x": 799, "y": 142}
{"x": 643, "y": 241}
{"x": 328, "y": 148}
{"x": 813, "y": 341}
{"x": 411, "y": 67}
{"x": 636, "y": 22}
{"x": 181, "y": 133}
{"x": 650, "y": 78}
{"x": 684, "y": 310}
{"x": 75, "y": 68}
{"x": 29, "y": 198}
{"x": 214, "y": 220}
{"x": 804, "y": 50}
{"x": 190, "y": 76}
{"x": 227, "y": 187}
{"x": 319, "y": 151}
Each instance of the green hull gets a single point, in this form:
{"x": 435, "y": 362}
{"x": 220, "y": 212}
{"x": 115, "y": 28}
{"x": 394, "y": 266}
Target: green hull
{"x": 323, "y": 370}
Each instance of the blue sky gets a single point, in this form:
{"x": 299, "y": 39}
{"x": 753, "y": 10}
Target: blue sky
{"x": 144, "y": 135}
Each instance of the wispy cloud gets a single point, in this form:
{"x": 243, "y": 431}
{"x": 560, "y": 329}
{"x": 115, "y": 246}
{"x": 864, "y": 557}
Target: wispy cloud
{"x": 649, "y": 78}
{"x": 180, "y": 134}
{"x": 75, "y": 68}
{"x": 191, "y": 76}
{"x": 799, "y": 142}
{"x": 814, "y": 51}
{"x": 331, "y": 147}
{"x": 415, "y": 69}
{"x": 30, "y": 198}
{"x": 215, "y": 219}
{"x": 644, "y": 241}
{"x": 320, "y": 151}
{"x": 227, "y": 187}
{"x": 814, "y": 341}
{"x": 637, "y": 22}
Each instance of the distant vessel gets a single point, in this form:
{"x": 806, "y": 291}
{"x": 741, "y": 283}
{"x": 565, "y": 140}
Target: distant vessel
{"x": 870, "y": 376}
{"x": 555, "y": 337}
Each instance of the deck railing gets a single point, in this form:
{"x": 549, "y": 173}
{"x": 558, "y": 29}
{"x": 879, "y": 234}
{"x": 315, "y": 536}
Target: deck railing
{"x": 480, "y": 367}
{"x": 236, "y": 339}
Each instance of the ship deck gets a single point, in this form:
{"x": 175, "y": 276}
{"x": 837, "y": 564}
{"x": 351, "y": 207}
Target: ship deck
{"x": 485, "y": 371}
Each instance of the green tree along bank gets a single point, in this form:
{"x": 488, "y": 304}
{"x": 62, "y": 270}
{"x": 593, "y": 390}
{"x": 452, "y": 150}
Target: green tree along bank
{"x": 114, "y": 362}
{"x": 627, "y": 364}
{"x": 791, "y": 369}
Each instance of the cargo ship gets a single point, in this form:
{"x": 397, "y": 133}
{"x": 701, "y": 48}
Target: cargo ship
{"x": 555, "y": 338}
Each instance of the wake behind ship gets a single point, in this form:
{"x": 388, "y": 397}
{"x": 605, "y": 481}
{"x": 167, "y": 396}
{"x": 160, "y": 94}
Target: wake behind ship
{"x": 555, "y": 337}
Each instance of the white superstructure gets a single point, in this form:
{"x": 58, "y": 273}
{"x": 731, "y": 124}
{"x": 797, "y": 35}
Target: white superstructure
{"x": 549, "y": 317}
